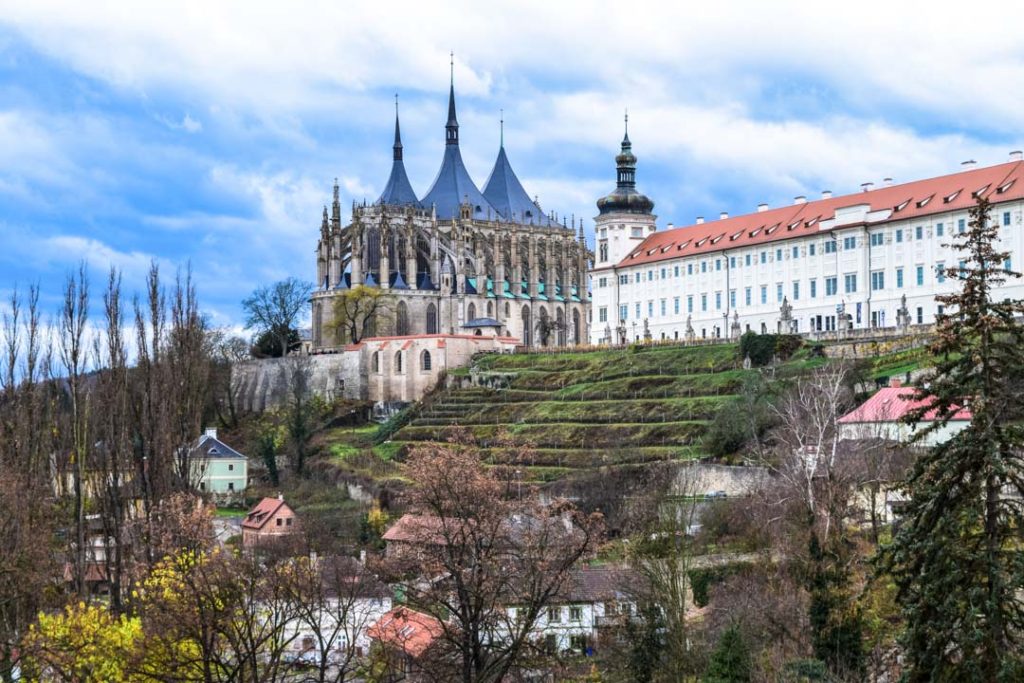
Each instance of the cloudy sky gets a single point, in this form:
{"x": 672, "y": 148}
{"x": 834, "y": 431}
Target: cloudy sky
{"x": 211, "y": 132}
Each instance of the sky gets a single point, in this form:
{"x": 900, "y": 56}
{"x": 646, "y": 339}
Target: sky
{"x": 209, "y": 134}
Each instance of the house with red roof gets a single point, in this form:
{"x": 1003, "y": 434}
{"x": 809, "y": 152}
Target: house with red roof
{"x": 406, "y": 637}
{"x": 271, "y": 520}
{"x": 883, "y": 416}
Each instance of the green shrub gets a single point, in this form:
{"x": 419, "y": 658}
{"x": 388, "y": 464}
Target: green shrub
{"x": 762, "y": 348}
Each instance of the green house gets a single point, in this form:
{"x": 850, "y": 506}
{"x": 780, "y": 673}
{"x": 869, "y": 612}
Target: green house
{"x": 218, "y": 468}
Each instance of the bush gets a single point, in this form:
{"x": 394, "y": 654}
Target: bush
{"x": 762, "y": 348}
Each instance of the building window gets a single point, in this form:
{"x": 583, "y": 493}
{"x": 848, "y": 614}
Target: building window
{"x": 623, "y": 312}
{"x": 638, "y": 310}
{"x": 877, "y": 239}
{"x": 718, "y": 264}
{"x": 961, "y": 225}
{"x": 920, "y": 315}
{"x": 940, "y": 229}
{"x": 425, "y": 361}
{"x": 940, "y": 272}
{"x": 1007, "y": 266}
{"x": 677, "y": 271}
{"x": 578, "y": 642}
{"x": 920, "y": 276}
{"x": 637, "y": 278}
{"x": 747, "y": 296}
{"x": 637, "y": 231}
{"x": 778, "y": 292}
{"x": 718, "y": 301}
{"x": 602, "y": 314}
{"x": 940, "y": 311}
{"x": 810, "y": 249}
{"x": 689, "y": 269}
{"x": 877, "y": 280}
{"x": 830, "y": 246}
{"x": 732, "y": 261}
{"x": 575, "y": 614}
{"x": 650, "y": 309}
{"x": 899, "y": 235}
{"x": 796, "y": 252}
{"x": 398, "y": 362}
{"x": 778, "y": 255}
{"x": 650, "y": 275}
{"x": 899, "y": 278}
{"x": 280, "y": 522}
{"x": 231, "y": 468}
{"x": 746, "y": 260}
{"x": 1006, "y": 218}
{"x": 831, "y": 286}
{"x": 664, "y": 272}
{"x": 602, "y": 251}
{"x": 850, "y": 282}
{"x": 231, "y": 486}
{"x": 431, "y": 319}
{"x": 814, "y": 288}
{"x": 849, "y": 243}
{"x": 703, "y": 302}
{"x": 764, "y": 294}
{"x": 376, "y": 361}
{"x": 732, "y": 298}
{"x": 663, "y": 308}
{"x": 919, "y": 232}
{"x": 554, "y": 615}
{"x": 602, "y": 282}
{"x": 764, "y": 257}
{"x": 675, "y": 305}
{"x": 703, "y": 266}
{"x": 624, "y": 279}
{"x": 288, "y": 521}
{"x": 796, "y": 290}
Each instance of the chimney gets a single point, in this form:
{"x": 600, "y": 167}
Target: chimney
{"x": 762, "y": 207}
{"x": 826, "y": 194}
{"x": 970, "y": 163}
{"x": 1016, "y": 155}
{"x": 670, "y": 226}
{"x": 866, "y": 187}
{"x": 700, "y": 220}
{"x": 887, "y": 182}
{"x": 211, "y": 432}
{"x": 280, "y": 497}
{"x": 895, "y": 382}
{"x": 800, "y": 199}
{"x": 722, "y": 216}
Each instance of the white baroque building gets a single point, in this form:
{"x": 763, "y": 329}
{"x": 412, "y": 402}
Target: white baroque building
{"x": 875, "y": 258}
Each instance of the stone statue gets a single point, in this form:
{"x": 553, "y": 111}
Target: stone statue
{"x": 690, "y": 334}
{"x": 647, "y": 331}
{"x": 903, "y": 314}
{"x": 735, "y": 332}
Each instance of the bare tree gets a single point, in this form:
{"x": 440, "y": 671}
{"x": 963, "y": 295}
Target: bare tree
{"x": 276, "y": 308}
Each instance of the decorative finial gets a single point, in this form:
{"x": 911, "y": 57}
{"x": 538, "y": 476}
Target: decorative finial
{"x": 451, "y": 56}
{"x": 502, "y": 127}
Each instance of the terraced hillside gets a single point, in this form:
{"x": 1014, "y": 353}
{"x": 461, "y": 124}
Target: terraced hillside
{"x": 587, "y": 409}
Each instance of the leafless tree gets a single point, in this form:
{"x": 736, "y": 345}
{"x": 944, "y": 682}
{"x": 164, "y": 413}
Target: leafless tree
{"x": 275, "y": 308}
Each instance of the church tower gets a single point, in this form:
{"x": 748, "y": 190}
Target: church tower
{"x": 625, "y": 216}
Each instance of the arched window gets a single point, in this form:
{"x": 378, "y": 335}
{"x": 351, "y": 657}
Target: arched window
{"x": 507, "y": 313}
{"x": 560, "y": 327}
{"x": 471, "y": 312}
{"x": 576, "y": 327}
{"x": 490, "y": 310}
{"x": 425, "y": 361}
{"x": 398, "y": 362}
{"x": 431, "y": 319}
{"x": 526, "y": 326}
{"x": 376, "y": 361}
{"x": 401, "y": 319}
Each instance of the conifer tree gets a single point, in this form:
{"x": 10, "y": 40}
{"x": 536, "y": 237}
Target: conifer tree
{"x": 731, "y": 661}
{"x": 957, "y": 558}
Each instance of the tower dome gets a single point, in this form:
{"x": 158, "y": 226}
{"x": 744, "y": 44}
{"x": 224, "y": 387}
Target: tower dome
{"x": 625, "y": 198}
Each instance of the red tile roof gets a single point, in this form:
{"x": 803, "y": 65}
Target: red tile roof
{"x": 425, "y": 529}
{"x": 891, "y": 404}
{"x": 407, "y": 630}
{"x": 920, "y": 198}
{"x": 262, "y": 513}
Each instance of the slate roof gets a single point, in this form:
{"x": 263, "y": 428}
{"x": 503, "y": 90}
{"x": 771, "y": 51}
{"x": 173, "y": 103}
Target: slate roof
{"x": 210, "y": 447}
{"x": 917, "y": 199}
{"x": 602, "y": 584}
{"x": 398, "y": 190}
{"x": 506, "y": 194}
{"x": 482, "y": 322}
{"x": 453, "y": 186}
{"x": 892, "y": 404}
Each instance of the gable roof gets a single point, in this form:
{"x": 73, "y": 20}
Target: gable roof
{"x": 212, "y": 447}
{"x": 892, "y": 404}
{"x": 263, "y": 512}
{"x": 407, "y": 630}
{"x": 602, "y": 584}
{"x": 917, "y": 199}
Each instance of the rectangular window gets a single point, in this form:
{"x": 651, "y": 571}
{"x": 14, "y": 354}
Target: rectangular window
{"x": 814, "y": 288}
{"x": 675, "y": 305}
{"x": 677, "y": 271}
{"x": 899, "y": 235}
{"x": 554, "y": 615}
{"x": 664, "y": 307}
{"x": 747, "y": 296}
{"x": 703, "y": 302}
{"x": 778, "y": 255}
{"x": 231, "y": 487}
{"x": 796, "y": 290}
{"x": 637, "y": 310}
{"x": 940, "y": 272}
{"x": 703, "y": 266}
{"x": 899, "y": 278}
{"x": 718, "y": 264}
{"x": 810, "y": 249}
{"x": 920, "y": 315}
{"x": 718, "y": 301}
{"x": 746, "y": 260}
{"x": 602, "y": 314}
{"x": 732, "y": 261}
{"x": 850, "y": 283}
{"x": 764, "y": 294}
{"x": 650, "y": 276}
{"x": 624, "y": 279}
{"x": 664, "y": 273}
{"x": 961, "y": 225}
{"x": 1006, "y": 217}
{"x": 231, "y": 468}
{"x": 778, "y": 292}
{"x": 940, "y": 229}
{"x": 732, "y": 298}
{"x": 638, "y": 277}
{"x": 849, "y": 243}
{"x": 830, "y": 246}
{"x": 650, "y": 309}
{"x": 877, "y": 239}
{"x": 689, "y": 269}
{"x": 764, "y": 257}
{"x": 831, "y": 286}
{"x": 961, "y": 266}
{"x": 796, "y": 252}
{"x": 602, "y": 282}
{"x": 919, "y": 232}
{"x": 1007, "y": 266}
{"x": 623, "y": 312}
{"x": 575, "y": 613}
{"x": 940, "y": 311}
{"x": 689, "y": 304}
{"x": 920, "y": 276}
{"x": 877, "y": 280}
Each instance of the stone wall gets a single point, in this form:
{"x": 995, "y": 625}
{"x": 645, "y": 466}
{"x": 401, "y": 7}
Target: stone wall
{"x": 263, "y": 384}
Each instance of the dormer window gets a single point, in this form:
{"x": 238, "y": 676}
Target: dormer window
{"x": 980, "y": 191}
{"x": 701, "y": 241}
{"x": 793, "y": 225}
{"x": 735, "y": 236}
{"x": 715, "y": 240}
{"x": 772, "y": 229}
{"x": 902, "y": 205}
{"x": 950, "y": 197}
{"x": 1004, "y": 187}
{"x": 756, "y": 231}
{"x": 924, "y": 202}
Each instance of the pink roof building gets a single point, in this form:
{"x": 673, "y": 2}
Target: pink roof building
{"x": 882, "y": 417}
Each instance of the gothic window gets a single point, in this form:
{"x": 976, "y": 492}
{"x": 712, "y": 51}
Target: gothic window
{"x": 376, "y": 361}
{"x": 372, "y": 249}
{"x": 507, "y": 314}
{"x": 398, "y": 362}
{"x": 526, "y": 325}
{"x": 471, "y": 312}
{"x": 490, "y": 310}
{"x": 425, "y": 361}
{"x": 560, "y": 327}
{"x": 401, "y": 319}
{"x": 431, "y": 319}
{"x": 603, "y": 251}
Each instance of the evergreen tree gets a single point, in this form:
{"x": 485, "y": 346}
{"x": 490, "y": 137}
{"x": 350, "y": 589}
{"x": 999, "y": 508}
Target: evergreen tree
{"x": 836, "y": 623}
{"x": 731, "y": 661}
{"x": 957, "y": 558}
{"x": 645, "y": 637}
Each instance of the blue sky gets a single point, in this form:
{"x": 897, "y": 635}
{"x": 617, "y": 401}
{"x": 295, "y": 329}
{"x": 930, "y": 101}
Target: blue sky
{"x": 211, "y": 133}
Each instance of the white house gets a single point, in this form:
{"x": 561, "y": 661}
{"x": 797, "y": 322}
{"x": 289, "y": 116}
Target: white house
{"x": 882, "y": 417}
{"x": 873, "y": 259}
{"x": 218, "y": 468}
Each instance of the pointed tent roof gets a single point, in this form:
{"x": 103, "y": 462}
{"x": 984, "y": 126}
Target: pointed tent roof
{"x": 453, "y": 186}
{"x": 398, "y": 190}
{"x": 506, "y": 194}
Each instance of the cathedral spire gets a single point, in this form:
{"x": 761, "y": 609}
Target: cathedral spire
{"x": 501, "y": 143}
{"x": 398, "y": 134}
{"x": 452, "y": 127}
